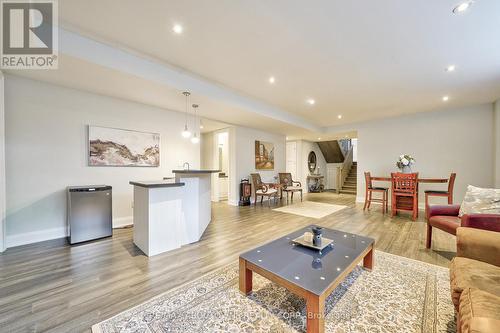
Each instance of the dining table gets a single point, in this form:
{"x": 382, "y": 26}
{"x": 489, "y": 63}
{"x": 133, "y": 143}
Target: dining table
{"x": 407, "y": 201}
{"x": 420, "y": 180}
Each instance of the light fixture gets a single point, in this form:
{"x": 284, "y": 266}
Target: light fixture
{"x": 450, "y": 68}
{"x": 319, "y": 138}
{"x": 339, "y": 116}
{"x": 462, "y": 7}
{"x": 186, "y": 133}
{"x": 177, "y": 28}
{"x": 445, "y": 98}
{"x": 195, "y": 139}
{"x": 201, "y": 124}
{"x": 272, "y": 80}
{"x": 311, "y": 101}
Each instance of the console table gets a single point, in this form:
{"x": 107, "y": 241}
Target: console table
{"x": 315, "y": 183}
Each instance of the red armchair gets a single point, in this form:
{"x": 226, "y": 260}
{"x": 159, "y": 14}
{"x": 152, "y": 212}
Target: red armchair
{"x": 446, "y": 218}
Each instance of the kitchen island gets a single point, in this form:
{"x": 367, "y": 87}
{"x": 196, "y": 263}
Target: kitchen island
{"x": 196, "y": 201}
{"x": 170, "y": 213}
{"x": 158, "y": 219}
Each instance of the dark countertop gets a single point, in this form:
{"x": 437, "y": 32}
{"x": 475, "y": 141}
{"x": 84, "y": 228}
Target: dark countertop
{"x": 195, "y": 171}
{"x": 156, "y": 183}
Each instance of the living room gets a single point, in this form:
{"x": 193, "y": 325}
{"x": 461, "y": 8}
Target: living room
{"x": 197, "y": 166}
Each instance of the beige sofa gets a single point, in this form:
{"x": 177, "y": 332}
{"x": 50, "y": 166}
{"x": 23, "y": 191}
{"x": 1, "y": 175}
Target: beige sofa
{"x": 475, "y": 281}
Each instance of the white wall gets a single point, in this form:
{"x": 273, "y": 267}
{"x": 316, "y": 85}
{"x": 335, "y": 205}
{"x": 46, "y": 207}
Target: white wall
{"x": 497, "y": 143}
{"x": 207, "y": 149}
{"x": 303, "y": 150}
{"x": 46, "y": 151}
{"x": 459, "y": 140}
{"x": 2, "y": 166}
{"x": 242, "y": 155}
{"x": 331, "y": 175}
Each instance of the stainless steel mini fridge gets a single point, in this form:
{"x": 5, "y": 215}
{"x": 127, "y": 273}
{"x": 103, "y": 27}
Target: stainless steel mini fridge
{"x": 89, "y": 212}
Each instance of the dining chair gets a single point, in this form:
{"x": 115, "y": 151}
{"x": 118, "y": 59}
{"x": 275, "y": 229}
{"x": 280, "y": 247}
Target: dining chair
{"x": 404, "y": 188}
{"x": 370, "y": 189}
{"x": 262, "y": 189}
{"x": 289, "y": 185}
{"x": 448, "y": 194}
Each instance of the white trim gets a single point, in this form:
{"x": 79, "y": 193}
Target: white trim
{"x": 36, "y": 236}
{"x": 121, "y": 222}
{"x": 232, "y": 202}
{"x": 3, "y": 222}
{"x": 55, "y": 233}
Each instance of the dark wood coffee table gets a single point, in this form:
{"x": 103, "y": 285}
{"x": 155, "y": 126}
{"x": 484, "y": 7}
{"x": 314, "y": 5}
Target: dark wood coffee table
{"x": 305, "y": 272}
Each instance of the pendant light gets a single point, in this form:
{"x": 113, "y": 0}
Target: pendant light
{"x": 195, "y": 139}
{"x": 186, "y": 133}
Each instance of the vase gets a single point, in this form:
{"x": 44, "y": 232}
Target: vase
{"x": 406, "y": 169}
{"x": 317, "y": 232}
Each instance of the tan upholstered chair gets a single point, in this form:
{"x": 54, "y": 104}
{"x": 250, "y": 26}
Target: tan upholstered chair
{"x": 262, "y": 190}
{"x": 289, "y": 185}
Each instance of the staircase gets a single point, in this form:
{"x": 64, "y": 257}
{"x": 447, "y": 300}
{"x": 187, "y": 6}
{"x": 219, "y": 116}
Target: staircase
{"x": 351, "y": 180}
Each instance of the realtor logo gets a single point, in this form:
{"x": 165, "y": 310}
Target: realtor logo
{"x": 29, "y": 34}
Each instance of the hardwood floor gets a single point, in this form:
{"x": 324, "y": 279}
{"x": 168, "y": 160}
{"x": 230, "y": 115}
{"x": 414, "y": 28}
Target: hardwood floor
{"x": 52, "y": 287}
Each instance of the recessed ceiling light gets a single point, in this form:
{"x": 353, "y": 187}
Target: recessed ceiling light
{"x": 311, "y": 101}
{"x": 177, "y": 28}
{"x": 450, "y": 68}
{"x": 445, "y": 98}
{"x": 339, "y": 116}
{"x": 319, "y": 138}
{"x": 462, "y": 7}
{"x": 272, "y": 80}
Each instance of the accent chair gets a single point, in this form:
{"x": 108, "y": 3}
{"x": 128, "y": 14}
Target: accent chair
{"x": 445, "y": 217}
{"x": 289, "y": 185}
{"x": 262, "y": 189}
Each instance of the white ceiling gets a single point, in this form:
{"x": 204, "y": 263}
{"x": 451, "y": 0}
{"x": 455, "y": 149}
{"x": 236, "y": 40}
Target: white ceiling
{"x": 362, "y": 59}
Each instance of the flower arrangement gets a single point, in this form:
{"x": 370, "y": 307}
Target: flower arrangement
{"x": 405, "y": 161}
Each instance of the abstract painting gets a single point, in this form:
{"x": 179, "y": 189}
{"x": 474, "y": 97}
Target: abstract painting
{"x": 264, "y": 155}
{"x": 119, "y": 147}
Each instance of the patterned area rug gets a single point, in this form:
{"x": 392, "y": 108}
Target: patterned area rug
{"x": 399, "y": 295}
{"x": 312, "y": 209}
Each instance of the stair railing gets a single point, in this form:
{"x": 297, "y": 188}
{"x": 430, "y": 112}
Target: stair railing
{"x": 343, "y": 170}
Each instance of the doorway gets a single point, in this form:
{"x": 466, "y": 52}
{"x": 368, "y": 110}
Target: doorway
{"x": 222, "y": 180}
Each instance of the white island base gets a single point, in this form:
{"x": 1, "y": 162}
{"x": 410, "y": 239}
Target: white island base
{"x": 158, "y": 220}
{"x": 196, "y": 202}
{"x": 169, "y": 214}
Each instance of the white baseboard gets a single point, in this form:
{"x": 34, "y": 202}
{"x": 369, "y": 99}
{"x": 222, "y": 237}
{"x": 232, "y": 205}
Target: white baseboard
{"x": 123, "y": 222}
{"x": 232, "y": 202}
{"x": 36, "y": 236}
{"x": 54, "y": 233}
